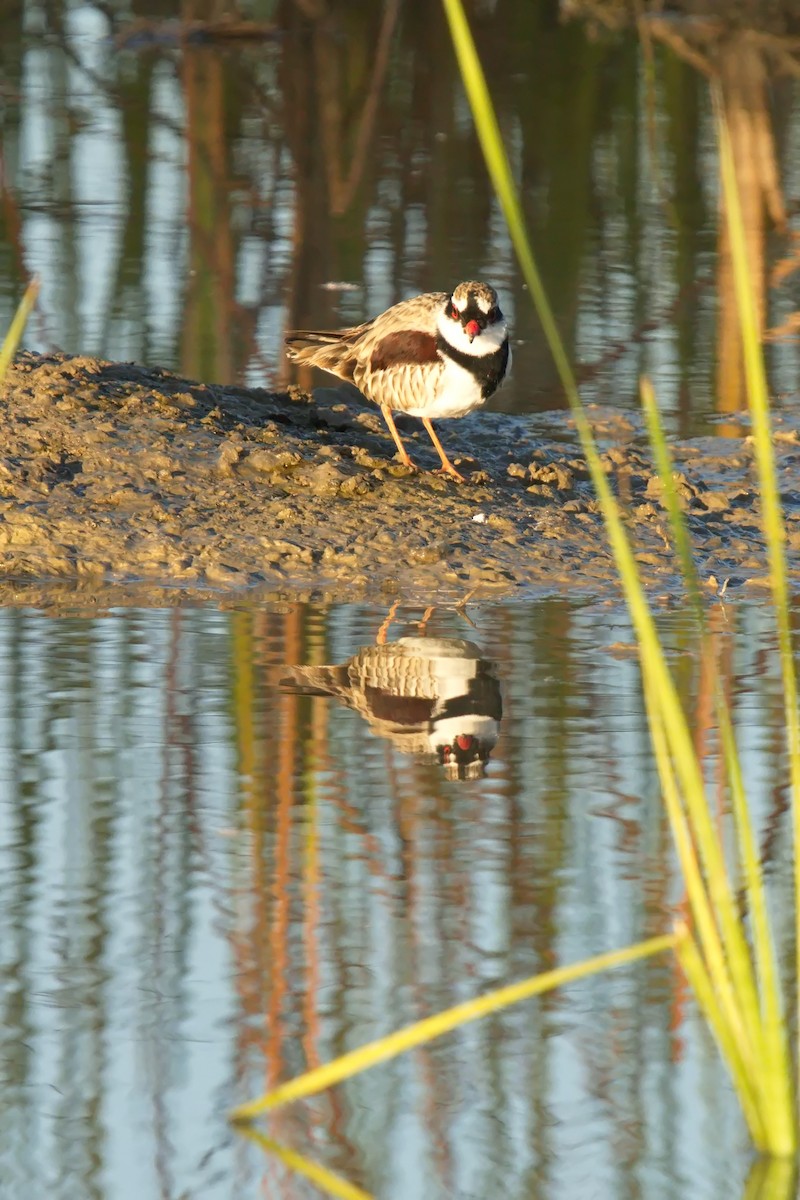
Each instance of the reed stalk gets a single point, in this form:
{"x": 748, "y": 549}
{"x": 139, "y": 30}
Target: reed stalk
{"x": 382, "y": 1049}
{"x": 771, "y": 509}
{"x": 325, "y": 1180}
{"x": 12, "y": 339}
{"x": 747, "y": 1015}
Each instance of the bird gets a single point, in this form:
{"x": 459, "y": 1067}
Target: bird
{"x": 436, "y": 355}
{"x": 427, "y": 695}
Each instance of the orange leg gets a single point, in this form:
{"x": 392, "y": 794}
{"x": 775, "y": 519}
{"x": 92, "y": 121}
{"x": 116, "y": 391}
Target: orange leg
{"x": 447, "y": 466}
{"x": 389, "y": 419}
{"x": 383, "y": 632}
{"x": 426, "y": 616}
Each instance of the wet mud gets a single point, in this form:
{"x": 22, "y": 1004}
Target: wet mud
{"x": 125, "y": 484}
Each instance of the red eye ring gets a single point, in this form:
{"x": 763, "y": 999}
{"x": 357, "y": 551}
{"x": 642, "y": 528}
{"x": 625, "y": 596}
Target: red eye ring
{"x": 452, "y": 312}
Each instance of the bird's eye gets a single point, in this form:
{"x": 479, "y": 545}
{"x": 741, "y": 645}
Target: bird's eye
{"x": 452, "y": 312}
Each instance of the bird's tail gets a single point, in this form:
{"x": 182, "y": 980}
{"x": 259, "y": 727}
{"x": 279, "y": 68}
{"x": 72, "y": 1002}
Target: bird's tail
{"x": 314, "y": 681}
{"x": 299, "y": 339}
{"x": 319, "y": 348}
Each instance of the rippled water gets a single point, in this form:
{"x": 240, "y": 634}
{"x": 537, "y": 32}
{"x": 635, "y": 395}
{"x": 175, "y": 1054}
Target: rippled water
{"x": 185, "y": 203}
{"x": 211, "y": 882}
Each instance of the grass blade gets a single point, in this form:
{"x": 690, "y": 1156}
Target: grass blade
{"x": 772, "y": 1058}
{"x": 670, "y": 497}
{"x": 17, "y": 327}
{"x": 452, "y": 1018}
{"x": 327, "y": 1181}
{"x": 707, "y": 999}
{"x": 739, "y": 1042}
{"x": 653, "y": 662}
{"x": 781, "y": 1100}
{"x": 772, "y": 1179}
{"x": 751, "y": 1038}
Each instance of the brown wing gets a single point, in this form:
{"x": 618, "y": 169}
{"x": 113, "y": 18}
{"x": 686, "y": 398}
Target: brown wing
{"x": 409, "y": 316}
{"x": 403, "y": 348}
{"x": 402, "y": 370}
{"x": 382, "y": 356}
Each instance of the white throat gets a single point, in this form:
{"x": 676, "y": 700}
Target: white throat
{"x": 445, "y": 730}
{"x": 488, "y": 341}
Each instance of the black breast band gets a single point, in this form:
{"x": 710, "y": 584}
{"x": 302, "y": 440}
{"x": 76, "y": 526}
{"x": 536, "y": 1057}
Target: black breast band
{"x": 488, "y": 370}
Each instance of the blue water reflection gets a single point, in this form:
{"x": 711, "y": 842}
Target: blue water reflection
{"x": 186, "y": 203}
{"x": 210, "y": 883}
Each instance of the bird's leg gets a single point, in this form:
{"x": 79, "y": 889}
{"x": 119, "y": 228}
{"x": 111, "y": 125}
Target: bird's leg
{"x": 383, "y": 632}
{"x": 422, "y": 626}
{"x": 461, "y": 607}
{"x": 447, "y": 466}
{"x": 389, "y": 419}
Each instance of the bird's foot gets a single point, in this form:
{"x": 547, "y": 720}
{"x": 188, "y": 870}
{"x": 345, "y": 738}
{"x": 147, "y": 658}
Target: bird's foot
{"x": 451, "y": 473}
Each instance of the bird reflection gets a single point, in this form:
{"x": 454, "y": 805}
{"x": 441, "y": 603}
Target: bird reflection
{"x": 427, "y": 695}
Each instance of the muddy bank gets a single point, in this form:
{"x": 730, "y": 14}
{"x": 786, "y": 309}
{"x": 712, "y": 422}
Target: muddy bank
{"x": 121, "y": 483}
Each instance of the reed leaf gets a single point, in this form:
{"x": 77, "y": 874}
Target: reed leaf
{"x": 670, "y": 498}
{"x": 773, "y": 1071}
{"x": 771, "y": 1065}
{"x": 777, "y": 1082}
{"x": 653, "y": 661}
{"x": 652, "y": 656}
{"x": 739, "y": 1041}
{"x": 327, "y": 1181}
{"x": 426, "y": 1030}
{"x": 744, "y": 1036}
{"x": 772, "y": 1179}
{"x": 12, "y": 339}
{"x": 702, "y": 985}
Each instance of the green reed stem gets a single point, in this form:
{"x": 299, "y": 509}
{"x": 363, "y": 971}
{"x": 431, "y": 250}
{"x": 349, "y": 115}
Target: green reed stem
{"x": 12, "y": 339}
{"x": 652, "y": 656}
{"x": 769, "y": 1028}
{"x": 772, "y": 521}
{"x": 426, "y": 1030}
{"x": 731, "y": 968}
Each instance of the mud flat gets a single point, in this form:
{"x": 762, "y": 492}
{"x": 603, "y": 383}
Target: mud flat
{"x": 120, "y": 484}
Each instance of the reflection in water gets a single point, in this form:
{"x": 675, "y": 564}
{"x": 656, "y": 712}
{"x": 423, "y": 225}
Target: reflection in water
{"x": 427, "y": 695}
{"x": 328, "y": 1183}
{"x": 210, "y": 884}
{"x": 745, "y": 64}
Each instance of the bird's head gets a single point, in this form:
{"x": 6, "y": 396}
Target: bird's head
{"x": 472, "y": 320}
{"x": 463, "y": 744}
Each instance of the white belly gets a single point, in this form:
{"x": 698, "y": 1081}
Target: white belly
{"x": 457, "y": 393}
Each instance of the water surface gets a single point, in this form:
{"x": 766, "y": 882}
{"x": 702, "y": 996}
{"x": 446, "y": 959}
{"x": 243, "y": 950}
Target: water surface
{"x": 211, "y": 883}
{"x": 186, "y": 202}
